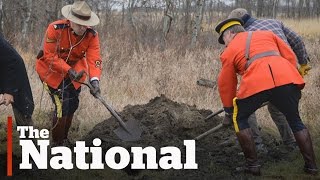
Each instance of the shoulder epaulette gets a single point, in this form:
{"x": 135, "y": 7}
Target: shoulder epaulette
{"x": 92, "y": 31}
{"x": 60, "y": 26}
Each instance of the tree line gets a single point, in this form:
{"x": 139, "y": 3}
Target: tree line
{"x": 27, "y": 19}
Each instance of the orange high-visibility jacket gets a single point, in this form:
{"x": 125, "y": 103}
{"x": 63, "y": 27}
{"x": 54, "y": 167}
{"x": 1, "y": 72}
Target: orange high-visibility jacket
{"x": 62, "y": 50}
{"x": 263, "y": 73}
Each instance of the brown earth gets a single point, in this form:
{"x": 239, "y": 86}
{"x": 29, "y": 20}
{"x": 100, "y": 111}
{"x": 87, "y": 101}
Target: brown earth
{"x": 167, "y": 123}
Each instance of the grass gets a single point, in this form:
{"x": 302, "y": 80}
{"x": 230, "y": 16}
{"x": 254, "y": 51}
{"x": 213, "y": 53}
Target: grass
{"x": 130, "y": 78}
{"x": 291, "y": 169}
{"x": 308, "y": 28}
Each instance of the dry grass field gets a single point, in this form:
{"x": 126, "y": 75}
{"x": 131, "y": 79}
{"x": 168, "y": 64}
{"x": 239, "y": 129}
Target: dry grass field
{"x": 131, "y": 78}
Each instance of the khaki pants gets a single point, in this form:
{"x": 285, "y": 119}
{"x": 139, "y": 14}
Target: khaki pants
{"x": 281, "y": 122}
{"x": 256, "y": 133}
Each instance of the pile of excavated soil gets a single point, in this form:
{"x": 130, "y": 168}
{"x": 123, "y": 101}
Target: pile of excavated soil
{"x": 167, "y": 123}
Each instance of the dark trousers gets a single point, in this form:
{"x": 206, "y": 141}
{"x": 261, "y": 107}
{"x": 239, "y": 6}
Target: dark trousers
{"x": 285, "y": 98}
{"x": 65, "y": 98}
{"x": 21, "y": 119}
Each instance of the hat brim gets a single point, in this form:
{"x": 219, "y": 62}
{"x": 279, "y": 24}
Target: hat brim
{"x": 219, "y": 26}
{"x": 66, "y": 12}
{"x": 220, "y": 40}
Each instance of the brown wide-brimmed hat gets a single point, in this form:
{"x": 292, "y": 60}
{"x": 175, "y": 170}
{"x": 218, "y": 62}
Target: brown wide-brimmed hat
{"x": 80, "y": 13}
{"x": 238, "y": 13}
{"x": 224, "y": 25}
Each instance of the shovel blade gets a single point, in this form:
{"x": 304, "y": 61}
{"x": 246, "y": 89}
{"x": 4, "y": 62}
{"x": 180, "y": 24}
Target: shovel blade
{"x": 131, "y": 131}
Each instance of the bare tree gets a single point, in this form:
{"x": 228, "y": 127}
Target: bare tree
{"x": 300, "y": 9}
{"x": 248, "y": 5}
{"x": 274, "y": 8}
{"x": 203, "y": 9}
{"x": 287, "y": 8}
{"x": 210, "y": 9}
{"x": 52, "y": 10}
{"x": 167, "y": 19}
{"x": 316, "y": 4}
{"x": 307, "y": 9}
{"x": 26, "y": 22}
{"x": 187, "y": 16}
{"x": 122, "y": 15}
{"x": 260, "y": 5}
{"x": 197, "y": 24}
{"x": 131, "y": 7}
{"x": 293, "y": 12}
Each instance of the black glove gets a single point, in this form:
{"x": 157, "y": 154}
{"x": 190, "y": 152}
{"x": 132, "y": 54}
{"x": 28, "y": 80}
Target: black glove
{"x": 95, "y": 90}
{"x": 74, "y": 76}
{"x": 227, "y": 120}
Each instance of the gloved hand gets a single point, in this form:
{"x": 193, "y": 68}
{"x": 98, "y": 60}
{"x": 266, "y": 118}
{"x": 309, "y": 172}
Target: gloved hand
{"x": 227, "y": 120}
{"x": 303, "y": 69}
{"x": 74, "y": 76}
{"x": 95, "y": 90}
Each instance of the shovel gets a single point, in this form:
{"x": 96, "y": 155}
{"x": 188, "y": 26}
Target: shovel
{"x": 213, "y": 129}
{"x": 219, "y": 126}
{"x": 208, "y": 132}
{"x": 129, "y": 131}
{"x": 213, "y": 114}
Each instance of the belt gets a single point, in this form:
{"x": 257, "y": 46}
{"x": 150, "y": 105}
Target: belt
{"x": 257, "y": 56}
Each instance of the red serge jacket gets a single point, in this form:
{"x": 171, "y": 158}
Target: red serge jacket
{"x": 263, "y": 73}
{"x": 62, "y": 50}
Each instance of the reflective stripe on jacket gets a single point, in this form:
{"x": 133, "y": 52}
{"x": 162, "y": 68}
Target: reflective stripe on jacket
{"x": 285, "y": 33}
{"x": 263, "y": 74}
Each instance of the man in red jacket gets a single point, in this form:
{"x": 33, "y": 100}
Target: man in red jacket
{"x": 269, "y": 73}
{"x": 297, "y": 45}
{"x": 70, "y": 48}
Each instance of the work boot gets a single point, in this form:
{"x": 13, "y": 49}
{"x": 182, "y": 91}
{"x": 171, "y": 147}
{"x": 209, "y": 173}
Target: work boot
{"x": 304, "y": 142}
{"x": 58, "y": 131}
{"x": 247, "y": 144}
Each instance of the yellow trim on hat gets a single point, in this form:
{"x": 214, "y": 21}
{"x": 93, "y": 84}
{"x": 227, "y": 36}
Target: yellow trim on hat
{"x": 228, "y": 24}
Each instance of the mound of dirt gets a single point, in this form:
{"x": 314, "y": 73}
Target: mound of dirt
{"x": 162, "y": 121}
{"x": 167, "y": 123}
